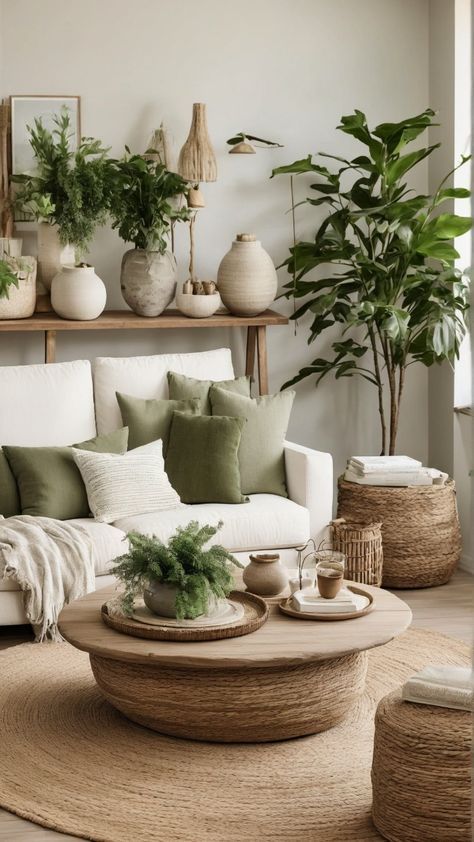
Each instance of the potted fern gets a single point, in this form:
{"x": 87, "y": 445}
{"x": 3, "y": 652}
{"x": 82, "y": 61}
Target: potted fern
{"x": 389, "y": 281}
{"x": 146, "y": 201}
{"x": 180, "y": 579}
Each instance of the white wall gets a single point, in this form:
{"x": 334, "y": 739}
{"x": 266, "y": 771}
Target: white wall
{"x": 285, "y": 70}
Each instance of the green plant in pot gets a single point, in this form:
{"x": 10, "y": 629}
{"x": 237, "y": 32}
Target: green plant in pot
{"x": 146, "y": 201}
{"x": 17, "y": 287}
{"x": 392, "y": 288}
{"x": 180, "y": 579}
{"x": 68, "y": 193}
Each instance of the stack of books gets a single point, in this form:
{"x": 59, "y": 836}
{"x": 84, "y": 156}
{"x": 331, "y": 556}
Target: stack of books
{"x": 391, "y": 470}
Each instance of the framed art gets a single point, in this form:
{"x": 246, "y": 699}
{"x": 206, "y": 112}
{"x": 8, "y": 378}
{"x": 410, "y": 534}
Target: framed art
{"x": 24, "y": 110}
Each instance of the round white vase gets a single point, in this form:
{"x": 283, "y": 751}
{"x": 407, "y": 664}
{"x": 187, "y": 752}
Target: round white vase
{"x": 78, "y": 293}
{"x": 148, "y": 281}
{"x": 246, "y": 278}
{"x": 21, "y": 300}
{"x": 51, "y": 254}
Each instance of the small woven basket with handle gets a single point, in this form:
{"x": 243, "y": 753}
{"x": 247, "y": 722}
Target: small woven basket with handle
{"x": 361, "y": 543}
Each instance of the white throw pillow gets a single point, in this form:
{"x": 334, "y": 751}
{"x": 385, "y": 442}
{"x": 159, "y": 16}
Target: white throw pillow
{"x": 132, "y": 484}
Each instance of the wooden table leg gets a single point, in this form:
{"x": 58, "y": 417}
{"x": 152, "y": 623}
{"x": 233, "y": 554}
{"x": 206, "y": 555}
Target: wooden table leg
{"x": 262, "y": 359}
{"x": 50, "y": 346}
{"x": 250, "y": 353}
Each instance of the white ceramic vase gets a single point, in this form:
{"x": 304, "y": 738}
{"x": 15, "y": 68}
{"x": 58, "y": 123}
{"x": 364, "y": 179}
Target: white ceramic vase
{"x": 247, "y": 279}
{"x": 51, "y": 254}
{"x": 22, "y": 300}
{"x": 78, "y": 293}
{"x": 148, "y": 281}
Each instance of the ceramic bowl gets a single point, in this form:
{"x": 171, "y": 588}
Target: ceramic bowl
{"x": 198, "y": 306}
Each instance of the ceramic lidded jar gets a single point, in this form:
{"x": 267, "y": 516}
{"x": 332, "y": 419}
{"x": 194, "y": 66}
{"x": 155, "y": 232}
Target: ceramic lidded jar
{"x": 246, "y": 278}
{"x": 77, "y": 293}
{"x": 265, "y": 575}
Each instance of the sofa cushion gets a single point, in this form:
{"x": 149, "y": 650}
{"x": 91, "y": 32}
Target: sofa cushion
{"x": 149, "y": 420}
{"x": 49, "y": 482}
{"x": 46, "y": 404}
{"x": 265, "y": 522}
{"x": 202, "y": 460}
{"x": 145, "y": 377}
{"x": 182, "y": 387}
{"x": 261, "y": 453}
{"x": 9, "y": 496}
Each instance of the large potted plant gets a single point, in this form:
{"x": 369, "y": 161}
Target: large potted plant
{"x": 68, "y": 195}
{"x": 146, "y": 201}
{"x": 180, "y": 579}
{"x": 392, "y": 286}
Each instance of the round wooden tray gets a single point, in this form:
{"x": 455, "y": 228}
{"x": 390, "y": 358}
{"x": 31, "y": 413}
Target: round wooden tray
{"x": 285, "y": 606}
{"x": 255, "y": 613}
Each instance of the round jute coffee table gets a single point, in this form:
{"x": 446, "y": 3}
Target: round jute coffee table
{"x": 290, "y": 677}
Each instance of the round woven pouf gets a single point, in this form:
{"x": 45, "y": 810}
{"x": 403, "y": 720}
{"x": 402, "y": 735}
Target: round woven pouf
{"x": 420, "y": 529}
{"x": 421, "y": 772}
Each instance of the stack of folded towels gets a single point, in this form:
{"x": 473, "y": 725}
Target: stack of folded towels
{"x": 443, "y": 686}
{"x": 309, "y": 601}
{"x": 391, "y": 470}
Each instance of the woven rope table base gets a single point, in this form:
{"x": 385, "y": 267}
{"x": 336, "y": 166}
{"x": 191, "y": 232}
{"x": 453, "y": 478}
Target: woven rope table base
{"x": 234, "y": 705}
{"x": 420, "y": 529}
{"x": 421, "y": 772}
{"x": 72, "y": 762}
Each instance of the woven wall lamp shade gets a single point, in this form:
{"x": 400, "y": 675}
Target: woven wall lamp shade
{"x": 197, "y": 161}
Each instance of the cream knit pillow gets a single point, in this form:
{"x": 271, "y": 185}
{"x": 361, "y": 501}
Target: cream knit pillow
{"x": 133, "y": 484}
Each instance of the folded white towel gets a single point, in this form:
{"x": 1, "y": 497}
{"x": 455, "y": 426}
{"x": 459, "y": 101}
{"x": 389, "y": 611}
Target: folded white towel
{"x": 443, "y": 686}
{"x": 310, "y": 601}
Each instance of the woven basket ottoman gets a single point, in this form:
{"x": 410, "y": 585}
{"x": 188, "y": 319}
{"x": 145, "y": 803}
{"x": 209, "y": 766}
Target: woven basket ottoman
{"x": 421, "y": 536}
{"x": 421, "y": 772}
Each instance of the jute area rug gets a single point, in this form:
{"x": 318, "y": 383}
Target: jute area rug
{"x": 70, "y": 762}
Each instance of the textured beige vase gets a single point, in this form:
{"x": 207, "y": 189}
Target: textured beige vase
{"x": 265, "y": 575}
{"x": 51, "y": 254}
{"x": 78, "y": 293}
{"x": 246, "y": 278}
{"x": 21, "y": 302}
{"x": 148, "y": 281}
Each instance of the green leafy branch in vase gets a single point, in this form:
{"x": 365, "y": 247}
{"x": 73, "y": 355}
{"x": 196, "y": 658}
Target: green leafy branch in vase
{"x": 393, "y": 287}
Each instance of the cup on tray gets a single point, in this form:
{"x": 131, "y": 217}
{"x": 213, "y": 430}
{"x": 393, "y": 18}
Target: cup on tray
{"x": 330, "y": 566}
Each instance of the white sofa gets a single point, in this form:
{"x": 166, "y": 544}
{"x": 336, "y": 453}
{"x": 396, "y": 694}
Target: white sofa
{"x": 61, "y": 403}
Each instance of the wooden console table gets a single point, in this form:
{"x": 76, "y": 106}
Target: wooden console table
{"x": 51, "y": 324}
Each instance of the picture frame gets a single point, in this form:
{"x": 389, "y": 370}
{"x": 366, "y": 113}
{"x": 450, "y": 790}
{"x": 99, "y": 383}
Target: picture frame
{"x": 24, "y": 109}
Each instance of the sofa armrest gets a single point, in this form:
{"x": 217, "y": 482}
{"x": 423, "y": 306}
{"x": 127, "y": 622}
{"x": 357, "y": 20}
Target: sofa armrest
{"x": 309, "y": 478}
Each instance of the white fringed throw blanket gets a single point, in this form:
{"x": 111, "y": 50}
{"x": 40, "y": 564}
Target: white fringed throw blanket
{"x": 53, "y": 563}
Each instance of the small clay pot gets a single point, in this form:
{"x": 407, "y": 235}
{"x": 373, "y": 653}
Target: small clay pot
{"x": 265, "y": 575}
{"x": 329, "y": 581}
{"x": 209, "y": 287}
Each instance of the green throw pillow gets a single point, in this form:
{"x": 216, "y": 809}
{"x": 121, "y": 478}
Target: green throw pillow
{"x": 48, "y": 479}
{"x": 183, "y": 388}
{"x": 261, "y": 454}
{"x": 202, "y": 462}
{"x": 149, "y": 420}
{"x": 9, "y": 497}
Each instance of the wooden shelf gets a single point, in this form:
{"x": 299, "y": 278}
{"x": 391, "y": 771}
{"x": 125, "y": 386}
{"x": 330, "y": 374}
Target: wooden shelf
{"x": 51, "y": 324}
{"x": 126, "y": 320}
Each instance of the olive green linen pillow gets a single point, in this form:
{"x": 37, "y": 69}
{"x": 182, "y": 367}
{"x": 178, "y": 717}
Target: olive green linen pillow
{"x": 261, "y": 453}
{"x": 9, "y": 497}
{"x": 48, "y": 479}
{"x": 150, "y": 419}
{"x": 202, "y": 462}
{"x": 184, "y": 388}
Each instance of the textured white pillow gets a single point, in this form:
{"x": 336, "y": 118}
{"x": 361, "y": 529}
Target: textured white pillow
{"x": 132, "y": 484}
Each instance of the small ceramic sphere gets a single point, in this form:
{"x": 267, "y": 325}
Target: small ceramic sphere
{"x": 265, "y": 575}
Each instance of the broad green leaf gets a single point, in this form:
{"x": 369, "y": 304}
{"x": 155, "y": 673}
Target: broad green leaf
{"x": 448, "y": 225}
{"x": 452, "y": 193}
{"x": 406, "y": 162}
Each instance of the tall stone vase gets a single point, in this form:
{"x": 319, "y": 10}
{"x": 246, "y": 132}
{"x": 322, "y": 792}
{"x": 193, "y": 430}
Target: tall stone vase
{"x": 51, "y": 255}
{"x": 148, "y": 281}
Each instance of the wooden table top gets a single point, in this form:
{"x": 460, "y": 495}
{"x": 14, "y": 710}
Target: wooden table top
{"x": 280, "y": 641}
